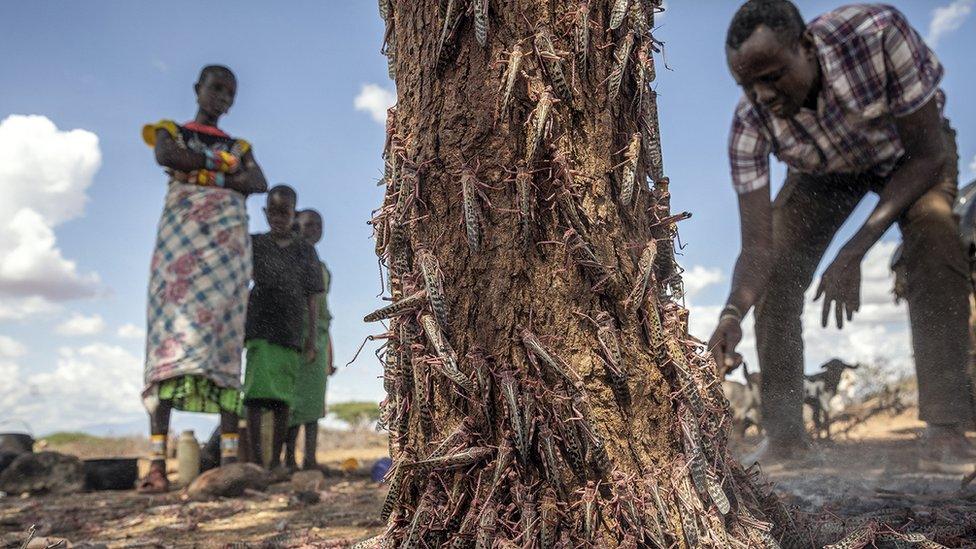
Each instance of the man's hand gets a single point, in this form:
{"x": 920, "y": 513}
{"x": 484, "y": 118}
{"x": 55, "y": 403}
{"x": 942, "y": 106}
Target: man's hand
{"x": 841, "y": 285}
{"x": 723, "y": 342}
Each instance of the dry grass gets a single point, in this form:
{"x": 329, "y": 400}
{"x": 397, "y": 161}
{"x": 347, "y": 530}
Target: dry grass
{"x": 88, "y": 446}
{"x": 334, "y": 445}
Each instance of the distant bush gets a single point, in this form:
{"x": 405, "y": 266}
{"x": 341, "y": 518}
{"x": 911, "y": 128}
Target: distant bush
{"x": 358, "y": 415}
{"x": 68, "y": 437}
{"x": 88, "y": 446}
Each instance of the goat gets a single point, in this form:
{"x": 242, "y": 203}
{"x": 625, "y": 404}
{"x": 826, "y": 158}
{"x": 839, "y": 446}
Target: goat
{"x": 744, "y": 402}
{"x": 819, "y": 389}
{"x": 743, "y": 398}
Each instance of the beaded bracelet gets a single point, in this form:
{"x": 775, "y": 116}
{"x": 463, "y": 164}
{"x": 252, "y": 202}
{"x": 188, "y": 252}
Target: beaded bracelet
{"x": 730, "y": 311}
{"x": 211, "y": 162}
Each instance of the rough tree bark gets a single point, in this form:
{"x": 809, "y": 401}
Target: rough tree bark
{"x": 543, "y": 390}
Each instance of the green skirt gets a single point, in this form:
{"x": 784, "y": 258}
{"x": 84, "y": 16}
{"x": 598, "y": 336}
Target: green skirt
{"x": 269, "y": 373}
{"x": 310, "y": 385}
{"x": 193, "y": 393}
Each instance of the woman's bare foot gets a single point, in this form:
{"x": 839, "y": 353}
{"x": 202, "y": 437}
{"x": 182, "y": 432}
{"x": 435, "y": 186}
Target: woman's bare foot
{"x": 154, "y": 483}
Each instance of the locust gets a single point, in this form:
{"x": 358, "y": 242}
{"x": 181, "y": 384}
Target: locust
{"x": 629, "y": 179}
{"x": 421, "y": 390}
{"x": 645, "y": 275}
{"x": 480, "y": 8}
{"x": 637, "y": 18}
{"x": 552, "y": 63}
{"x": 704, "y": 481}
{"x": 548, "y": 451}
{"x": 403, "y": 306}
{"x": 590, "y": 511}
{"x": 621, "y": 58}
{"x": 535, "y": 349}
{"x": 447, "y": 359}
{"x": 540, "y": 124}
{"x": 652, "y": 135}
{"x": 503, "y": 459}
{"x": 474, "y": 218}
{"x": 581, "y": 34}
{"x": 564, "y": 194}
{"x": 506, "y": 383}
{"x": 549, "y": 515}
{"x": 860, "y": 537}
{"x": 510, "y": 76}
{"x": 485, "y": 534}
{"x": 431, "y": 272}
{"x": 393, "y": 495}
{"x": 451, "y": 461}
{"x": 685, "y": 498}
{"x": 447, "y": 46}
{"x": 618, "y": 12}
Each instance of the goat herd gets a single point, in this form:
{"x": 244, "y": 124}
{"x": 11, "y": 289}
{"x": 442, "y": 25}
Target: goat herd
{"x": 819, "y": 390}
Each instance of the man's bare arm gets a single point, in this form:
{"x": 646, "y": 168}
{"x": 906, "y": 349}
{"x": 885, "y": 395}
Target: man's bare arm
{"x": 925, "y": 157}
{"x": 755, "y": 260}
{"x": 751, "y": 273}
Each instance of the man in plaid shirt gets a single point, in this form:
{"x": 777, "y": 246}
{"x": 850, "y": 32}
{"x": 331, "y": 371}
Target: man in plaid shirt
{"x": 851, "y": 103}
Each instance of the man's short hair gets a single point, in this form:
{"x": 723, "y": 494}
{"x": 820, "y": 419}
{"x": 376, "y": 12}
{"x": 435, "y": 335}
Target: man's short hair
{"x": 215, "y": 69}
{"x": 284, "y": 191}
{"x": 781, "y": 16}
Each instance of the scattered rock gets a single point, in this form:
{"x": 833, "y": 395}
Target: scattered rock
{"x": 307, "y": 497}
{"x": 229, "y": 481}
{"x": 49, "y": 542}
{"x": 45, "y": 472}
{"x": 311, "y": 480}
{"x": 6, "y": 458}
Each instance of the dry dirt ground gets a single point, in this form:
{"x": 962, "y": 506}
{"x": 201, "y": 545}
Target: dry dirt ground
{"x": 871, "y": 468}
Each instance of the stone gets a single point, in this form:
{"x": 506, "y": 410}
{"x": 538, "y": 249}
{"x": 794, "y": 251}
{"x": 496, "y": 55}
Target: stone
{"x": 308, "y": 481}
{"x": 53, "y": 542}
{"x": 229, "y": 481}
{"x": 43, "y": 473}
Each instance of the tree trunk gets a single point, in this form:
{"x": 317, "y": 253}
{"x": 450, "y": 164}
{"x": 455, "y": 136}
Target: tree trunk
{"x": 542, "y": 388}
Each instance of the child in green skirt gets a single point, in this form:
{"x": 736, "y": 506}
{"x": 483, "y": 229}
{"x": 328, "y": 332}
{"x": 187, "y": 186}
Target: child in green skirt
{"x": 287, "y": 277}
{"x": 312, "y": 379}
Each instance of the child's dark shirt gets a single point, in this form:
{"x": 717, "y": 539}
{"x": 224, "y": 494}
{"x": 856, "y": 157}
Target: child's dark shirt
{"x": 283, "y": 277}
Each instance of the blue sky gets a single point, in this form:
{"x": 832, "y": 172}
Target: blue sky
{"x": 109, "y": 67}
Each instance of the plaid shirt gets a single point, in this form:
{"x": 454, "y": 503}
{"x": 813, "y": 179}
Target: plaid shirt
{"x": 875, "y": 68}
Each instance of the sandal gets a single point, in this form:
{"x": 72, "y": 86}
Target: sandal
{"x": 153, "y": 483}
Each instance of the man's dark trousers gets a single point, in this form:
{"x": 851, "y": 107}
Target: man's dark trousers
{"x": 807, "y": 212}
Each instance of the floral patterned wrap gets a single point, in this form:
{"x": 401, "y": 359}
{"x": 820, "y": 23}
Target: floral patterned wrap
{"x": 198, "y": 287}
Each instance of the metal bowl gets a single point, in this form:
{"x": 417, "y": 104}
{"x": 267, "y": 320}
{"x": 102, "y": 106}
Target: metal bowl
{"x": 16, "y": 443}
{"x": 111, "y": 474}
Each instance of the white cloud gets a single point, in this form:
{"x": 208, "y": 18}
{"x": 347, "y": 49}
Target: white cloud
{"x": 20, "y": 308}
{"x": 93, "y": 384}
{"x": 698, "y": 278}
{"x": 946, "y": 19}
{"x": 44, "y": 173}
{"x": 11, "y": 348}
{"x": 130, "y": 331}
{"x": 10, "y": 390}
{"x": 374, "y": 100}
{"x": 879, "y": 330}
{"x": 80, "y": 325}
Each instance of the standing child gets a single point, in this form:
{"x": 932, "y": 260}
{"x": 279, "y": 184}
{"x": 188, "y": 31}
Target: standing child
{"x": 201, "y": 266}
{"x": 309, "y": 405}
{"x": 287, "y": 278}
